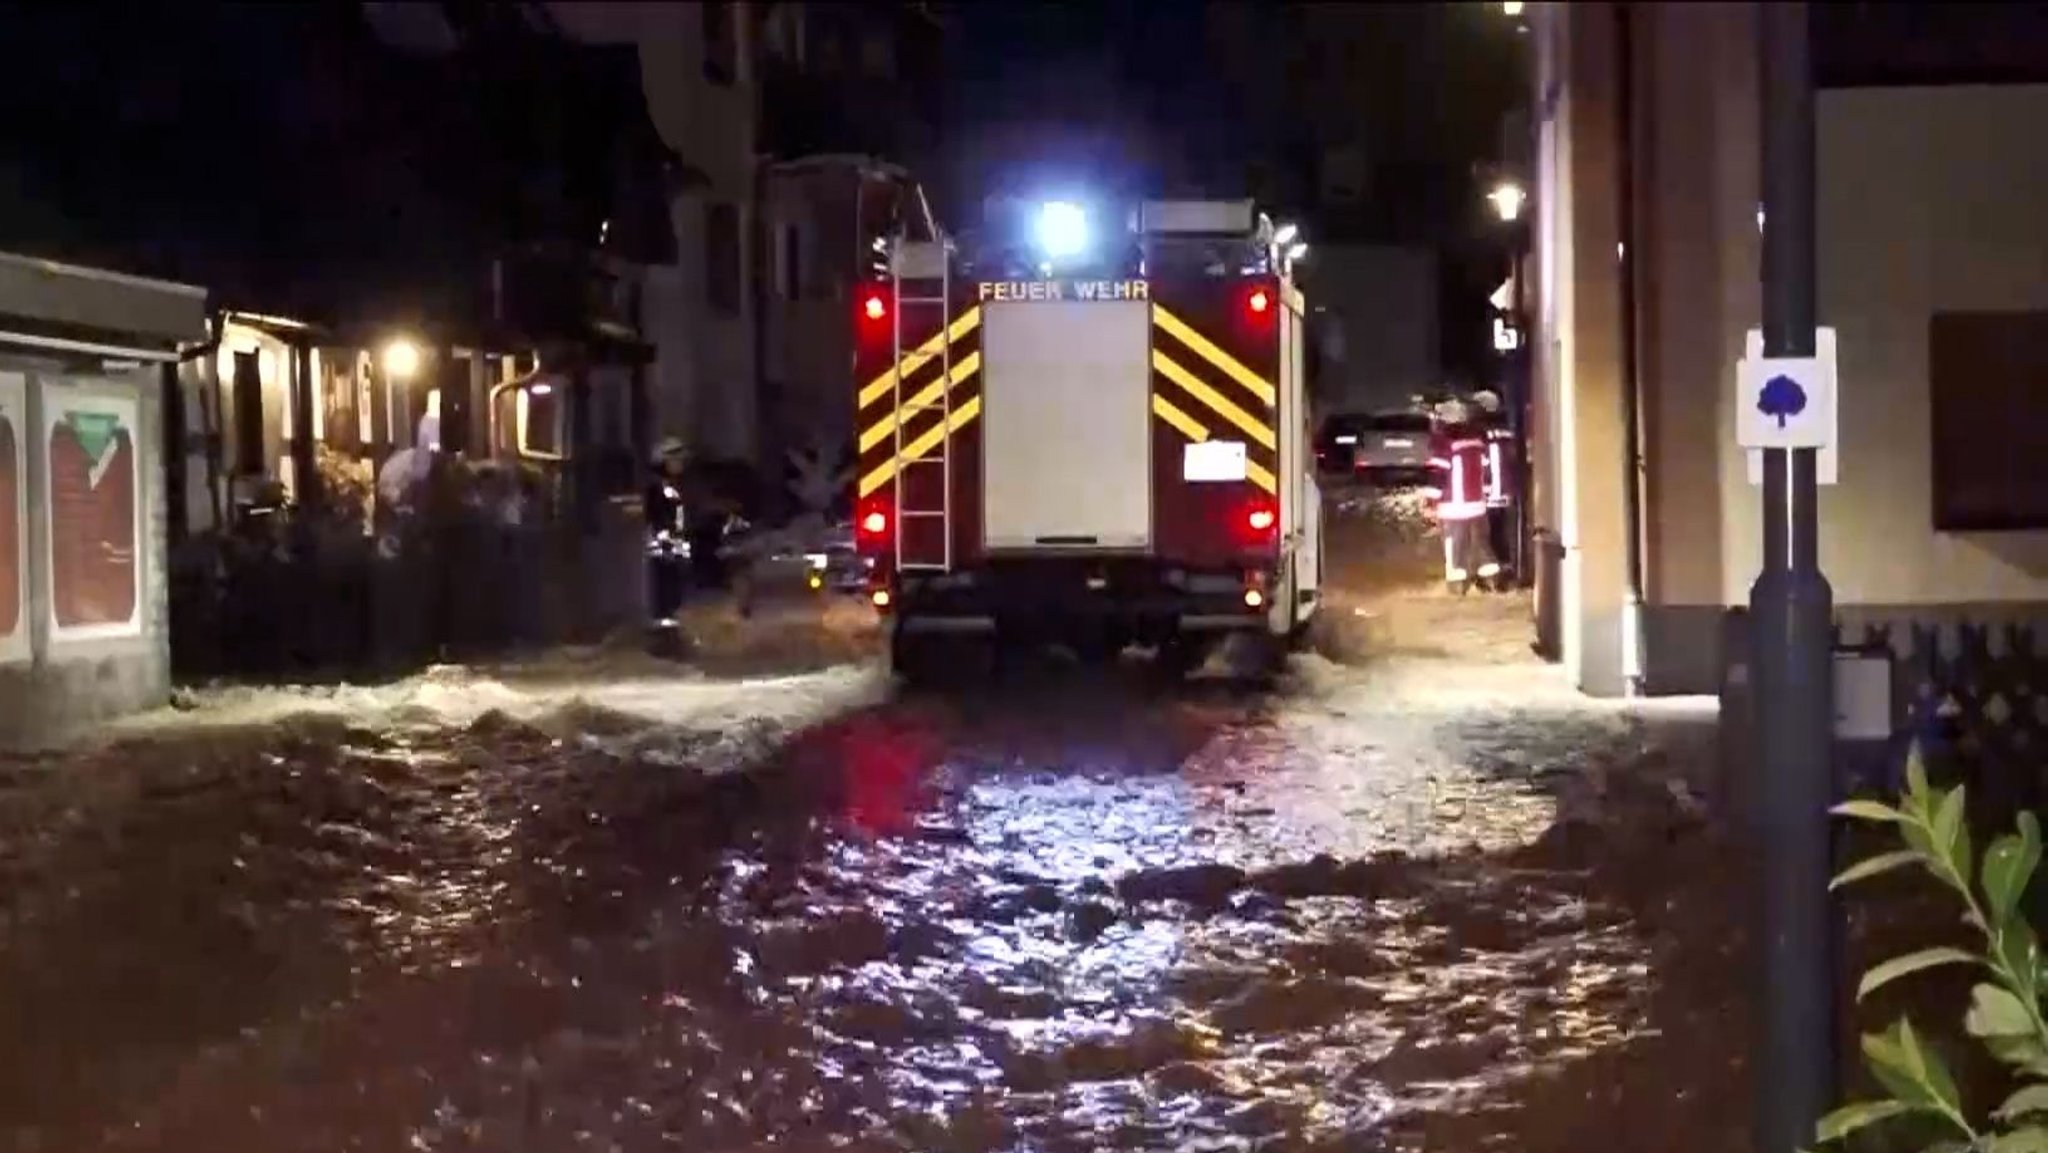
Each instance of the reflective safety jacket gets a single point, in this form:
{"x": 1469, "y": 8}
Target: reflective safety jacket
{"x": 1500, "y": 446}
{"x": 1460, "y": 452}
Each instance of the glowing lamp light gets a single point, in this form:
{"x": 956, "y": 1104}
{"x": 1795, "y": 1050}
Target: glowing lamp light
{"x": 1259, "y": 301}
{"x": 881, "y": 598}
{"x": 874, "y": 523}
{"x": 1261, "y": 519}
{"x": 1062, "y": 229}
{"x": 1253, "y": 598}
{"x": 401, "y": 359}
{"x": 873, "y": 308}
{"x": 1508, "y": 199}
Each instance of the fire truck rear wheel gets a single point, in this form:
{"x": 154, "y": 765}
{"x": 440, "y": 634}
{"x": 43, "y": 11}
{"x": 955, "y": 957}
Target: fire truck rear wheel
{"x": 913, "y": 658}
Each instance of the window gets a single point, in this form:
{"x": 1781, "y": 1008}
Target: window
{"x": 877, "y": 56}
{"x": 722, "y": 257}
{"x": 538, "y": 420}
{"x": 1343, "y": 173}
{"x": 245, "y": 392}
{"x": 791, "y": 280}
{"x": 782, "y": 33}
{"x": 721, "y": 41}
{"x": 1415, "y": 422}
{"x": 1989, "y": 431}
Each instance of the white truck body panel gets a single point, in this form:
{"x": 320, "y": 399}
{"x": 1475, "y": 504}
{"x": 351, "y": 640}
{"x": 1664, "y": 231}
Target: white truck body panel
{"x": 1301, "y": 517}
{"x": 1066, "y": 426}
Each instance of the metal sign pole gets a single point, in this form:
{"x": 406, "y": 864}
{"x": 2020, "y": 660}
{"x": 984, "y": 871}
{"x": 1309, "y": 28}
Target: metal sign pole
{"x": 1791, "y": 609}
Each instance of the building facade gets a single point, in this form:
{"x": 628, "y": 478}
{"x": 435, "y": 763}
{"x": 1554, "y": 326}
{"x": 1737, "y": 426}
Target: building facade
{"x": 84, "y": 617}
{"x": 848, "y": 127}
{"x": 1647, "y": 230}
{"x": 698, "y": 67}
{"x": 1376, "y": 315}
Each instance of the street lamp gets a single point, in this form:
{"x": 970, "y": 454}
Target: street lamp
{"x": 1508, "y": 198}
{"x": 401, "y": 362}
{"x": 401, "y": 359}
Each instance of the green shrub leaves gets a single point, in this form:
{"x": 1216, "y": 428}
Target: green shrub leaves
{"x": 2004, "y": 1014}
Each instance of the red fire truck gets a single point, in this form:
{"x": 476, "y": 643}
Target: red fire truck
{"x": 1094, "y": 451}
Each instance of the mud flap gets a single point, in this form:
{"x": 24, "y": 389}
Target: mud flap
{"x": 1183, "y": 653}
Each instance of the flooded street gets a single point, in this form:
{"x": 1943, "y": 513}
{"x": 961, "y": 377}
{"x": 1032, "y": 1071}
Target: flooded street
{"x": 1417, "y": 896}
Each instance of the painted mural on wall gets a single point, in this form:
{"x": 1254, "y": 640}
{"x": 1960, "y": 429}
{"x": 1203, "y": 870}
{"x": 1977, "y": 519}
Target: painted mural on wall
{"x": 14, "y": 640}
{"x": 95, "y": 558}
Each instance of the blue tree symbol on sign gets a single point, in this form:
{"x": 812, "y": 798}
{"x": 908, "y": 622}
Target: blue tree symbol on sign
{"x": 1781, "y": 397}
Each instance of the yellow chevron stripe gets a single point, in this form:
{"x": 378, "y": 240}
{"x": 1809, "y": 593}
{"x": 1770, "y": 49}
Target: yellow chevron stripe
{"x": 1191, "y": 428}
{"x": 879, "y": 387}
{"x": 1215, "y": 401}
{"x": 1169, "y": 412}
{"x": 1203, "y": 347}
{"x": 885, "y": 424}
{"x": 925, "y": 442}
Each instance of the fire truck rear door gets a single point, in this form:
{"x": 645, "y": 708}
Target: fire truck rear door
{"x": 1067, "y": 434}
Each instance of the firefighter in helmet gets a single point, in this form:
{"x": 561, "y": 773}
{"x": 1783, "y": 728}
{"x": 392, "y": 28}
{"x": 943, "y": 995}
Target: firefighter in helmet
{"x": 667, "y": 553}
{"x": 1499, "y": 477}
{"x": 1460, "y": 455}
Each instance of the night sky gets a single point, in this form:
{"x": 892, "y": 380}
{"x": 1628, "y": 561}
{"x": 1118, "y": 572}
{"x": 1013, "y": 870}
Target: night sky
{"x": 1183, "y": 98}
{"x": 318, "y": 145}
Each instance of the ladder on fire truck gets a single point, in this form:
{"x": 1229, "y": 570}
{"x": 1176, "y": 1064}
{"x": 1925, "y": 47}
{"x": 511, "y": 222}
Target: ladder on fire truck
{"x": 916, "y": 268}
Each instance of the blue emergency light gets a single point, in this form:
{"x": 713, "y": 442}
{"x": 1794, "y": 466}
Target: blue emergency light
{"x": 1062, "y": 230}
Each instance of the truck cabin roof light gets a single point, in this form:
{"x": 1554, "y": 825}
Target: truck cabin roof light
{"x": 1062, "y": 230}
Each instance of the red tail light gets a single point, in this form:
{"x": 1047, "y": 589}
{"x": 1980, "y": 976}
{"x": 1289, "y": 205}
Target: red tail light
{"x": 874, "y": 304}
{"x": 874, "y": 523}
{"x": 1257, "y": 525}
{"x": 1258, "y": 302}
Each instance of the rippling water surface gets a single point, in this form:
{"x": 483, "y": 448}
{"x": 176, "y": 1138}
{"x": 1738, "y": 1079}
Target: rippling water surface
{"x": 1031, "y": 917}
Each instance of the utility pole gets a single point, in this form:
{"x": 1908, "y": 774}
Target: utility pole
{"x": 1792, "y": 610}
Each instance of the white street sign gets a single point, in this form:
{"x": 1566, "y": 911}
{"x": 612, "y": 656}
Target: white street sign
{"x": 1789, "y": 402}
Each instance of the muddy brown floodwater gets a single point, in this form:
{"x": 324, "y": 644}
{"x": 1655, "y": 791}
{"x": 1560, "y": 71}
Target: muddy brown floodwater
{"x": 1043, "y": 915}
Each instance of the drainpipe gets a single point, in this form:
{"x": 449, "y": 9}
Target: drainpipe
{"x": 762, "y": 266}
{"x": 217, "y": 324}
{"x": 1631, "y": 357}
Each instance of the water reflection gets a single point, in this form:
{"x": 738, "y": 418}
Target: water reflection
{"x": 1072, "y": 924}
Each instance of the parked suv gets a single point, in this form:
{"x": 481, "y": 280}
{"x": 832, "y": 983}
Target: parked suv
{"x": 1393, "y": 449}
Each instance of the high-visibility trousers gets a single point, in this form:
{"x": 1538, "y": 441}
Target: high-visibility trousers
{"x": 1468, "y": 554}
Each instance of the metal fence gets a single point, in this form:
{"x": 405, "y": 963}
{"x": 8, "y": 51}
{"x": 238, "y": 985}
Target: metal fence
{"x": 1969, "y": 689}
{"x": 280, "y": 604}
{"x": 1973, "y": 694}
